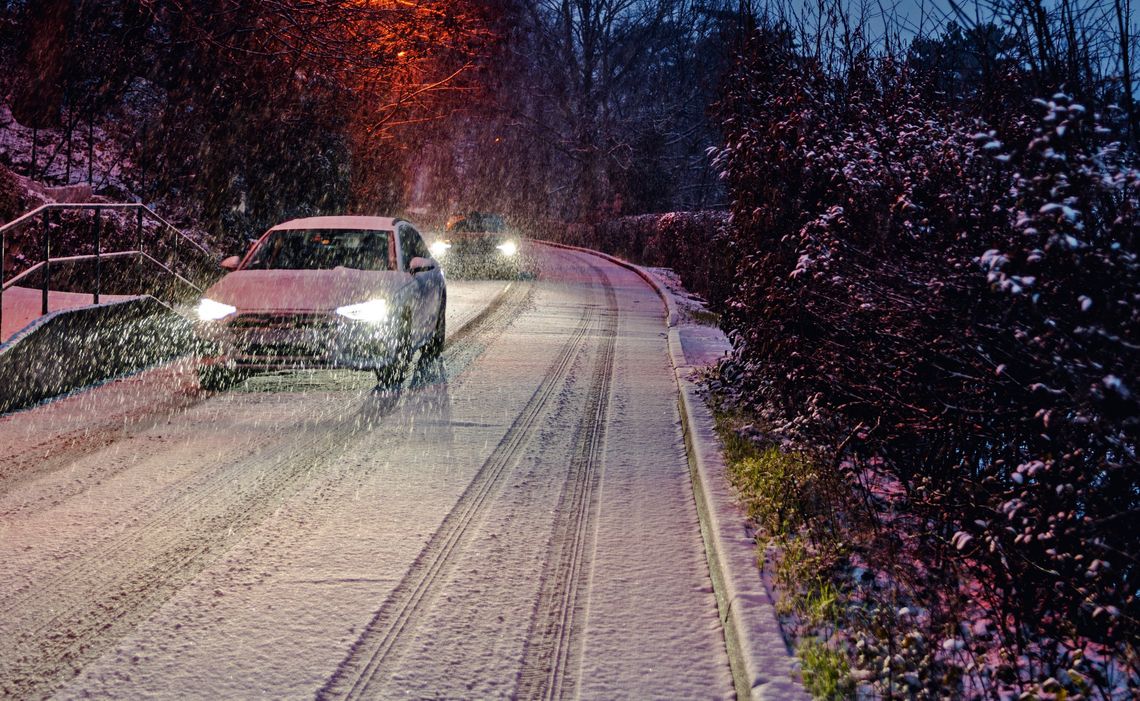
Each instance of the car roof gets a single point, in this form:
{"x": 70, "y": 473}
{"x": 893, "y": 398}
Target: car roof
{"x": 346, "y": 222}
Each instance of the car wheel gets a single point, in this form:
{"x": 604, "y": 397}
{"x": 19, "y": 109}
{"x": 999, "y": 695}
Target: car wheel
{"x": 214, "y": 378}
{"x": 434, "y": 346}
{"x": 394, "y": 372}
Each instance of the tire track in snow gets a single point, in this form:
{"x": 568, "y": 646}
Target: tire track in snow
{"x": 555, "y": 629}
{"x": 380, "y": 640}
{"x": 121, "y": 583}
{"x": 101, "y": 596}
{"x": 132, "y": 448}
{"x": 51, "y": 452}
{"x": 469, "y": 342}
{"x": 207, "y": 481}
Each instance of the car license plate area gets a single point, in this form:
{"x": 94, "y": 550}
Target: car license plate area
{"x": 283, "y": 344}
{"x": 474, "y": 247}
{"x": 282, "y": 351}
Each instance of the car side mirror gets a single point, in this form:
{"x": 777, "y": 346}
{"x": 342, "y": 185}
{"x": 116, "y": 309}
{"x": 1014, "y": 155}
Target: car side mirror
{"x": 231, "y": 263}
{"x": 420, "y": 264}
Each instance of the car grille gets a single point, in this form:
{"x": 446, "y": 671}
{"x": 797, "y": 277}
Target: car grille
{"x": 269, "y": 337}
{"x": 284, "y": 350}
{"x": 284, "y": 321}
{"x": 474, "y": 246}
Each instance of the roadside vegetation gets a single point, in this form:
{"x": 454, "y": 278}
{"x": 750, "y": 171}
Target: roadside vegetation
{"x": 931, "y": 409}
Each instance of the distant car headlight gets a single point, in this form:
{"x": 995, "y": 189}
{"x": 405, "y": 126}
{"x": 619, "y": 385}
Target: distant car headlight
{"x": 373, "y": 311}
{"x": 508, "y": 248}
{"x": 209, "y": 310}
{"x": 438, "y": 248}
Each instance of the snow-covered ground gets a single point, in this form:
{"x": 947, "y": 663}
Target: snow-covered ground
{"x": 518, "y": 521}
{"x": 23, "y": 305}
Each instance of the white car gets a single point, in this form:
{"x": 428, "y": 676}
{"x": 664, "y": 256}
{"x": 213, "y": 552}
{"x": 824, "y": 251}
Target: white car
{"x": 324, "y": 292}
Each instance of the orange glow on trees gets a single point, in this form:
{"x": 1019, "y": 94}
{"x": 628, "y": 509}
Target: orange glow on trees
{"x": 422, "y": 61}
{"x": 248, "y": 111}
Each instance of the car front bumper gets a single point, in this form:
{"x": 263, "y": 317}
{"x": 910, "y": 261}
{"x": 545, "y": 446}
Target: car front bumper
{"x": 297, "y": 341}
{"x": 480, "y": 265}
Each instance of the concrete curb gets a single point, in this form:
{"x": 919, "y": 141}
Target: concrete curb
{"x": 762, "y": 668}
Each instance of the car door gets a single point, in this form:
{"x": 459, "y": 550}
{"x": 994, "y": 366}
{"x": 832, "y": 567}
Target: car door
{"x": 427, "y": 285}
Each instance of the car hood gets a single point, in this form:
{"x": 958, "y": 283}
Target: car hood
{"x": 304, "y": 290}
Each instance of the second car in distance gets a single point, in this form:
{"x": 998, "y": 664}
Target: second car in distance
{"x": 479, "y": 245}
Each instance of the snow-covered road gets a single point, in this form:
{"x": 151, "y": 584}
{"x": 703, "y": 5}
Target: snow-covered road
{"x": 516, "y": 523}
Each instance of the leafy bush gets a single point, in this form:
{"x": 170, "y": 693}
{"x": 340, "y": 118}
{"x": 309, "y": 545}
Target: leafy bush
{"x": 946, "y": 310}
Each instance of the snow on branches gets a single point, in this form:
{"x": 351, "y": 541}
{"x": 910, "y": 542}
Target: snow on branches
{"x": 951, "y": 304}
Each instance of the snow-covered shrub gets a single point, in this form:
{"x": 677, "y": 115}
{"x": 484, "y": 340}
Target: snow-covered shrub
{"x": 948, "y": 310}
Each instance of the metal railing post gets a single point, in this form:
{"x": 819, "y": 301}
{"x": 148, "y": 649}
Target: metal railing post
{"x": 91, "y": 144}
{"x": 46, "y": 275}
{"x": 98, "y": 265}
{"x": 3, "y": 240}
{"x": 42, "y": 217}
{"x": 138, "y": 244}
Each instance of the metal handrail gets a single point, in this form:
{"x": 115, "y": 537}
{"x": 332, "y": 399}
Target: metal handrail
{"x": 170, "y": 272}
{"x": 43, "y": 215}
{"x": 30, "y": 216}
{"x": 112, "y": 255}
{"x": 14, "y": 281}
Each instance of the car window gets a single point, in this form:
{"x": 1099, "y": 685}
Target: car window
{"x": 322, "y": 249}
{"x": 412, "y": 245}
{"x": 475, "y": 222}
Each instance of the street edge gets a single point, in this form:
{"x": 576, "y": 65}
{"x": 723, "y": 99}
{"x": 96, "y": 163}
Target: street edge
{"x": 762, "y": 668}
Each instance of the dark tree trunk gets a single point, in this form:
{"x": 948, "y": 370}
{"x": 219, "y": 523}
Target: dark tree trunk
{"x": 37, "y": 95}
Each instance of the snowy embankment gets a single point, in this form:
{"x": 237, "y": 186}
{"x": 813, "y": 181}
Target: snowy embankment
{"x": 60, "y": 174}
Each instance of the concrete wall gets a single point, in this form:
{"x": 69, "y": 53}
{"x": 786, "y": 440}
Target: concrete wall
{"x": 72, "y": 348}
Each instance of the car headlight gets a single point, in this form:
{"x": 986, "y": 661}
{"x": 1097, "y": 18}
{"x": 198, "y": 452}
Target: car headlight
{"x": 438, "y": 248}
{"x": 508, "y": 248}
{"x": 373, "y": 311}
{"x": 209, "y": 310}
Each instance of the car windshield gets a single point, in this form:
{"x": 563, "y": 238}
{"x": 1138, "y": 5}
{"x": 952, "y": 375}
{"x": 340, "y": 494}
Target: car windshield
{"x": 321, "y": 249}
{"x": 475, "y": 222}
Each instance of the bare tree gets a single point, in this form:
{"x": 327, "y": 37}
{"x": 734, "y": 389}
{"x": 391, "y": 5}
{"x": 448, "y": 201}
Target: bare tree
{"x": 618, "y": 89}
{"x": 1122, "y": 10}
